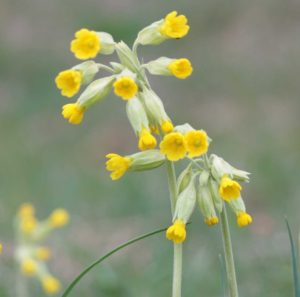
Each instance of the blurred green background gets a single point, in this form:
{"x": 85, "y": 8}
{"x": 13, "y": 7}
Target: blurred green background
{"x": 244, "y": 92}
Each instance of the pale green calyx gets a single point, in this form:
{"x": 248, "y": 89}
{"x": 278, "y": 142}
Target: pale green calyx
{"x": 183, "y": 129}
{"x": 214, "y": 189}
{"x": 237, "y": 205}
{"x": 184, "y": 178}
{"x": 127, "y": 57}
{"x": 159, "y": 66}
{"x": 96, "y": 91}
{"x": 88, "y": 71}
{"x": 107, "y": 43}
{"x": 146, "y": 160}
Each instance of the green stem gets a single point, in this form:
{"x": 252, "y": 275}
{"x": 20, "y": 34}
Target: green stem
{"x": 229, "y": 261}
{"x": 177, "y": 264}
{"x": 21, "y": 285}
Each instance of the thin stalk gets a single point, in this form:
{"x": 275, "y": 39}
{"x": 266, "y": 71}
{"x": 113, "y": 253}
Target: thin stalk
{"x": 21, "y": 285}
{"x": 229, "y": 261}
{"x": 177, "y": 261}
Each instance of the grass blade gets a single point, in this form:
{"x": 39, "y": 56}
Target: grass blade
{"x": 118, "y": 248}
{"x": 294, "y": 261}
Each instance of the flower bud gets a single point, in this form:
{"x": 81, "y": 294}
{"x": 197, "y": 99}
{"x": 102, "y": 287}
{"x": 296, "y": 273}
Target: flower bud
{"x": 186, "y": 202}
{"x": 184, "y": 179}
{"x": 146, "y": 160}
{"x": 96, "y": 91}
{"x": 127, "y": 57}
{"x": 88, "y": 71}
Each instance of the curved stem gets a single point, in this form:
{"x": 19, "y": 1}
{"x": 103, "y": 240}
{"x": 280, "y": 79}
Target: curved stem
{"x": 229, "y": 260}
{"x": 177, "y": 262}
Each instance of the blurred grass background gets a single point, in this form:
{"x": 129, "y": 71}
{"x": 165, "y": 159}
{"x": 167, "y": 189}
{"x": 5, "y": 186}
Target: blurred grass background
{"x": 244, "y": 92}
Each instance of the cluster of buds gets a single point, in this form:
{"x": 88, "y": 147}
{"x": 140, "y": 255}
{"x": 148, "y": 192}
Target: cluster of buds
{"x": 207, "y": 180}
{"x": 30, "y": 253}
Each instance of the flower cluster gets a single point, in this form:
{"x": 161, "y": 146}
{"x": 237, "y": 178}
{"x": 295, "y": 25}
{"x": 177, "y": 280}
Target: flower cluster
{"x": 208, "y": 181}
{"x": 30, "y": 253}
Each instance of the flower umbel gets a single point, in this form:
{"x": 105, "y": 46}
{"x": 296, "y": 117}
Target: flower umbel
{"x": 176, "y": 232}
{"x": 69, "y": 81}
{"x": 229, "y": 189}
{"x": 125, "y": 87}
{"x": 173, "y": 146}
{"x": 181, "y": 68}
{"x": 86, "y": 45}
{"x": 118, "y": 165}
{"x": 196, "y": 143}
{"x": 244, "y": 219}
{"x": 147, "y": 141}
{"x": 73, "y": 113}
{"x": 174, "y": 26}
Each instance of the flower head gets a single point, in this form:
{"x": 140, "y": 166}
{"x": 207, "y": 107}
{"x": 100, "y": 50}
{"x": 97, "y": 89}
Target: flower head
{"x": 42, "y": 253}
{"x": 51, "y": 285}
{"x": 29, "y": 267}
{"x": 125, "y": 87}
{"x": 69, "y": 81}
{"x": 167, "y": 127}
{"x": 118, "y": 165}
{"x": 28, "y": 224}
{"x": 58, "y": 218}
{"x": 229, "y": 189}
{"x": 177, "y": 232}
{"x": 196, "y": 143}
{"x": 174, "y": 26}
{"x": 86, "y": 45}
{"x": 26, "y": 210}
{"x": 147, "y": 141}
{"x": 73, "y": 112}
{"x": 211, "y": 221}
{"x": 181, "y": 68}
{"x": 244, "y": 219}
{"x": 173, "y": 146}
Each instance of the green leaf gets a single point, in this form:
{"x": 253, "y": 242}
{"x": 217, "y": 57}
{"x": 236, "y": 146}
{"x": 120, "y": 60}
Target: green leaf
{"x": 294, "y": 261}
{"x": 90, "y": 267}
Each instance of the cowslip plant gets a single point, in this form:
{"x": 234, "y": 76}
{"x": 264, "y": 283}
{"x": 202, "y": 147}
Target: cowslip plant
{"x": 207, "y": 181}
{"x": 30, "y": 254}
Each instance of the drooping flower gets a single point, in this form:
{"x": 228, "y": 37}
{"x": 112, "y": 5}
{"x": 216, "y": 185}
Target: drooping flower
{"x": 73, "y": 113}
{"x": 196, "y": 143}
{"x": 28, "y": 224}
{"x": 125, "y": 87}
{"x": 174, "y": 26}
{"x": 50, "y": 284}
{"x": 173, "y": 146}
{"x": 229, "y": 189}
{"x": 118, "y": 165}
{"x": 26, "y": 210}
{"x": 58, "y": 218}
{"x": 181, "y": 68}
{"x": 176, "y": 232}
{"x": 86, "y": 45}
{"x": 43, "y": 253}
{"x": 244, "y": 219}
{"x": 69, "y": 82}
{"x": 146, "y": 141}
{"x": 29, "y": 267}
{"x": 211, "y": 221}
{"x": 167, "y": 127}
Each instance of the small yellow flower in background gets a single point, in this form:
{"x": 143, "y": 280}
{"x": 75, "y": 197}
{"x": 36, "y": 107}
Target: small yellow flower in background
{"x": 58, "y": 218}
{"x": 196, "y": 143}
{"x": 173, "y": 146}
{"x": 244, "y": 219}
{"x": 29, "y": 267}
{"x": 177, "y": 232}
{"x": 28, "y": 224}
{"x": 147, "y": 141}
{"x": 86, "y": 45}
{"x": 69, "y": 82}
{"x": 51, "y": 285}
{"x": 73, "y": 113}
{"x": 211, "y": 221}
{"x": 118, "y": 165}
{"x": 1, "y": 248}
{"x": 229, "y": 189}
{"x": 167, "y": 127}
{"x": 26, "y": 210}
{"x": 181, "y": 68}
{"x": 125, "y": 87}
{"x": 174, "y": 26}
{"x": 43, "y": 253}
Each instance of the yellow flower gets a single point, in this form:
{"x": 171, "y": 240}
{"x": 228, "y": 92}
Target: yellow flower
{"x": 177, "y": 232}
{"x": 174, "y": 26}
{"x": 29, "y": 267}
{"x": 73, "y": 112}
{"x": 28, "y": 224}
{"x": 229, "y": 189}
{"x": 167, "y": 127}
{"x": 244, "y": 219}
{"x": 181, "y": 68}
{"x": 26, "y": 210}
{"x": 42, "y": 253}
{"x": 86, "y": 45}
{"x": 50, "y": 285}
{"x": 211, "y": 221}
{"x": 125, "y": 87}
{"x": 1, "y": 248}
{"x": 196, "y": 143}
{"x": 173, "y": 146}
{"x": 118, "y": 165}
{"x": 69, "y": 81}
{"x": 147, "y": 141}
{"x": 59, "y": 218}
